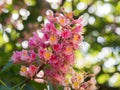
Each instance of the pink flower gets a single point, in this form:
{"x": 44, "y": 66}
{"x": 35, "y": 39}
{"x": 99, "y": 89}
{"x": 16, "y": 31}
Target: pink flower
{"x": 77, "y": 29}
{"x": 57, "y": 47}
{"x": 53, "y": 39}
{"x": 32, "y": 43}
{"x": 16, "y": 57}
{"x": 47, "y": 55}
{"x": 49, "y": 28}
{"x": 64, "y": 68}
{"x": 32, "y": 56}
{"x": 77, "y": 79}
{"x": 62, "y": 20}
{"x": 36, "y": 36}
{"x": 36, "y": 41}
{"x": 76, "y": 85}
{"x": 68, "y": 50}
{"x": 32, "y": 70}
{"x": 70, "y": 59}
{"x": 77, "y": 38}
{"x": 79, "y": 20}
{"x": 28, "y": 71}
{"x": 24, "y": 71}
{"x": 58, "y": 32}
{"x": 46, "y": 36}
{"x": 54, "y": 77}
{"x": 53, "y": 59}
{"x": 66, "y": 34}
{"x": 84, "y": 85}
{"x": 50, "y": 16}
{"x": 57, "y": 66}
{"x": 24, "y": 55}
{"x": 49, "y": 72}
{"x": 41, "y": 53}
{"x": 58, "y": 78}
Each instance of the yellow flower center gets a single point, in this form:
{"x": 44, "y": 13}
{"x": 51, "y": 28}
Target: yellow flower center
{"x": 52, "y": 39}
{"x": 76, "y": 37}
{"x": 68, "y": 49}
{"x": 62, "y": 20}
{"x": 76, "y": 85}
{"x": 70, "y": 15}
{"x": 23, "y": 69}
{"x": 47, "y": 55}
{"x": 66, "y": 82}
{"x": 80, "y": 78}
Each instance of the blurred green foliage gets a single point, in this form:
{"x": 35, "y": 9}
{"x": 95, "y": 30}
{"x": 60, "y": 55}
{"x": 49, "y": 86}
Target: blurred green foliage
{"x": 100, "y": 49}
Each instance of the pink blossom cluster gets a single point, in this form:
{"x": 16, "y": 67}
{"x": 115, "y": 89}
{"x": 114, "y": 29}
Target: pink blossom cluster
{"x": 53, "y": 47}
{"x": 78, "y": 81}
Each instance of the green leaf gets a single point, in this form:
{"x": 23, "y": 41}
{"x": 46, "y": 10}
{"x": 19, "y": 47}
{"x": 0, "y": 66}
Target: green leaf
{"x": 7, "y": 66}
{"x": 37, "y": 86}
{"x": 28, "y": 87}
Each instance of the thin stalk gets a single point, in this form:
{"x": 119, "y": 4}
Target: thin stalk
{"x": 3, "y": 83}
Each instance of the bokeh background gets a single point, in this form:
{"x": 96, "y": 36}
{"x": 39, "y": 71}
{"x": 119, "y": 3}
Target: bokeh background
{"x": 100, "y": 49}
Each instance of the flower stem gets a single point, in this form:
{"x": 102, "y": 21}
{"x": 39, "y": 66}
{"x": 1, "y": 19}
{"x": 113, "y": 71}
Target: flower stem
{"x": 3, "y": 83}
